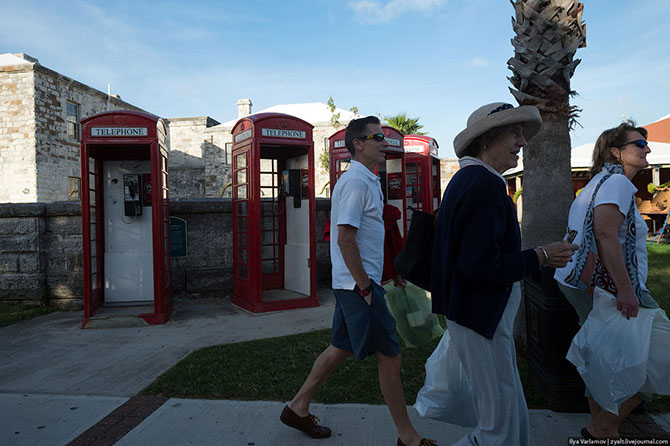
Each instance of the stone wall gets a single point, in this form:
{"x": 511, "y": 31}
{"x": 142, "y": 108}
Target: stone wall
{"x": 17, "y": 135}
{"x": 218, "y": 167}
{"x": 41, "y": 254}
{"x": 36, "y": 155}
{"x": 57, "y": 155}
{"x": 188, "y": 159}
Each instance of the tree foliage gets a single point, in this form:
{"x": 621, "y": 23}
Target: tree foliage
{"x": 404, "y": 124}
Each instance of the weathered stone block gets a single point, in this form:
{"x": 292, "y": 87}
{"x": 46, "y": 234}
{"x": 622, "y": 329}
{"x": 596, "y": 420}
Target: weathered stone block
{"x": 19, "y": 243}
{"x": 65, "y": 286}
{"x": 9, "y": 263}
{"x": 203, "y": 280}
{"x": 20, "y": 286}
{"x": 17, "y": 225}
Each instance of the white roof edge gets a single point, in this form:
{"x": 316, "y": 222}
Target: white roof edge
{"x": 299, "y": 110}
{"x": 581, "y": 157}
{"x": 11, "y": 59}
{"x": 661, "y": 119}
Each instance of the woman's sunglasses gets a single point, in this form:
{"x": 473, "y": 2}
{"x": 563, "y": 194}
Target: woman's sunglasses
{"x": 639, "y": 143}
{"x": 379, "y": 137}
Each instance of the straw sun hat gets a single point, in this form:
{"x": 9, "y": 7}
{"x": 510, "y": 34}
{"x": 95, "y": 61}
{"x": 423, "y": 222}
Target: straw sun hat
{"x": 494, "y": 115}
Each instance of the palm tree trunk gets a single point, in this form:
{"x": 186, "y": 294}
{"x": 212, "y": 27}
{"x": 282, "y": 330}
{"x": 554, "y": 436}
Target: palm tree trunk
{"x": 547, "y": 191}
{"x": 547, "y": 182}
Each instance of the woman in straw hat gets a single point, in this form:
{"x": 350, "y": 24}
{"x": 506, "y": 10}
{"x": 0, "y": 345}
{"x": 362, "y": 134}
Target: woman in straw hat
{"x": 477, "y": 258}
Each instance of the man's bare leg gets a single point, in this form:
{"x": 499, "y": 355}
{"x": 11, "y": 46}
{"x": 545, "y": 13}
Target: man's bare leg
{"x": 323, "y": 367}
{"x": 391, "y": 387}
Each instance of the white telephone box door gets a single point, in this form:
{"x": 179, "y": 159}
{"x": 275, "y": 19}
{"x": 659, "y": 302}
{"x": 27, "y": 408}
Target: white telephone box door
{"x": 128, "y": 239}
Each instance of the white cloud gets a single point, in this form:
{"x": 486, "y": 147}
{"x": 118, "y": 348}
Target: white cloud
{"x": 479, "y": 62}
{"x": 376, "y": 11}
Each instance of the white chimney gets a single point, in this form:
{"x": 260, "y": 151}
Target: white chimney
{"x": 243, "y": 107}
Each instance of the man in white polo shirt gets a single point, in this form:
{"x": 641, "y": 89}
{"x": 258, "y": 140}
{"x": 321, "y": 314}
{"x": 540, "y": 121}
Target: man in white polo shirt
{"x": 362, "y": 324}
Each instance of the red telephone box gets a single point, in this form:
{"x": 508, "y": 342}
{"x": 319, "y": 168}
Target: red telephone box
{"x": 274, "y": 249}
{"x": 125, "y": 215}
{"x": 391, "y": 173}
{"x": 423, "y": 174}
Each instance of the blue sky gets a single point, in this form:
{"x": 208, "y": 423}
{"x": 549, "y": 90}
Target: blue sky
{"x": 433, "y": 59}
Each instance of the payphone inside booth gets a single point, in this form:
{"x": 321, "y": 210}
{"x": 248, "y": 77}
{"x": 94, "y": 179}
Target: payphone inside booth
{"x": 391, "y": 172}
{"x": 422, "y": 167}
{"x": 274, "y": 249}
{"x": 125, "y": 216}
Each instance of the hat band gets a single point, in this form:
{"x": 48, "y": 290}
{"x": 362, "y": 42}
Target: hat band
{"x": 500, "y": 108}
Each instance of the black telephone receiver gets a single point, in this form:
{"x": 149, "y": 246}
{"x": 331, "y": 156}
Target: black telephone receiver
{"x": 132, "y": 200}
{"x": 291, "y": 186}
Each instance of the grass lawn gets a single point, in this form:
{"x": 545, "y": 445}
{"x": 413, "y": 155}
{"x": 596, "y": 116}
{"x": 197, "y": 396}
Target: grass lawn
{"x": 274, "y": 369}
{"x": 11, "y": 314}
{"x": 658, "y": 280}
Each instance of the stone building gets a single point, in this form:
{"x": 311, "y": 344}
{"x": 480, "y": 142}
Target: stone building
{"x": 200, "y": 147}
{"x": 40, "y": 214}
{"x": 40, "y": 111}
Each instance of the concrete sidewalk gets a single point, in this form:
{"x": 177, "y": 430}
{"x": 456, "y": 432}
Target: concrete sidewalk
{"x": 61, "y": 384}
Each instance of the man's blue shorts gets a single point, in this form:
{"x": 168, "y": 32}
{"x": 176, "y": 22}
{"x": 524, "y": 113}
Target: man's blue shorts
{"x": 361, "y": 328}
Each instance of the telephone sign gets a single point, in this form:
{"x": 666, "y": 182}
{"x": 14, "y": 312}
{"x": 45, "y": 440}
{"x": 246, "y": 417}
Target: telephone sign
{"x": 119, "y": 131}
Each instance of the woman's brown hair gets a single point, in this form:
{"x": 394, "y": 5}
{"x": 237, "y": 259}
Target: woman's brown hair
{"x": 614, "y": 137}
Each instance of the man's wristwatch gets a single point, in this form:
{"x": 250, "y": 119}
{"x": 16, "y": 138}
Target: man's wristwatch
{"x": 365, "y": 291}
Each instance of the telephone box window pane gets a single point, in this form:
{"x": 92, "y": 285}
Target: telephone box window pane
{"x": 266, "y": 223}
{"x": 241, "y": 192}
{"x": 242, "y": 208}
{"x": 241, "y": 160}
{"x": 243, "y": 271}
{"x": 267, "y": 237}
{"x": 267, "y": 252}
{"x": 228, "y": 152}
{"x": 268, "y": 266}
{"x": 242, "y": 239}
{"x": 243, "y": 256}
{"x": 241, "y": 223}
{"x": 266, "y": 207}
{"x": 241, "y": 176}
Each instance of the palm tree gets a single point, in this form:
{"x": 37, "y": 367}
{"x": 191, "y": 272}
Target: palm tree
{"x": 405, "y": 125}
{"x": 548, "y": 33}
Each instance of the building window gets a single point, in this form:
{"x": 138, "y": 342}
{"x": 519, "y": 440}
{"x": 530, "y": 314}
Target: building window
{"x": 73, "y": 187}
{"x": 229, "y": 153}
{"x": 72, "y": 120}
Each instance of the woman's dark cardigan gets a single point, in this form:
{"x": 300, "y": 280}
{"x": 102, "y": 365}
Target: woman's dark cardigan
{"x": 477, "y": 251}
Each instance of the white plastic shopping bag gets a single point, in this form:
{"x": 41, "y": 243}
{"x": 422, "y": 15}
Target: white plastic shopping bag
{"x": 446, "y": 394}
{"x": 658, "y": 365}
{"x": 611, "y": 352}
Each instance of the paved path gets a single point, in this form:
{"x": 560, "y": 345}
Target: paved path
{"x": 62, "y": 385}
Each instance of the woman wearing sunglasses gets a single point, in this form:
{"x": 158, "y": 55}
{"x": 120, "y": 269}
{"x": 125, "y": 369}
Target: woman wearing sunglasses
{"x": 477, "y": 258}
{"x": 605, "y": 212}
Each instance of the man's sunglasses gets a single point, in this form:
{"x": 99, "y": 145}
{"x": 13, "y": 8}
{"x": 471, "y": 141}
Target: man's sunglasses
{"x": 639, "y": 143}
{"x": 379, "y": 137}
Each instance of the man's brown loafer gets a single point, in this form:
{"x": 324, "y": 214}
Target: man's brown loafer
{"x": 306, "y": 424}
{"x": 424, "y": 442}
